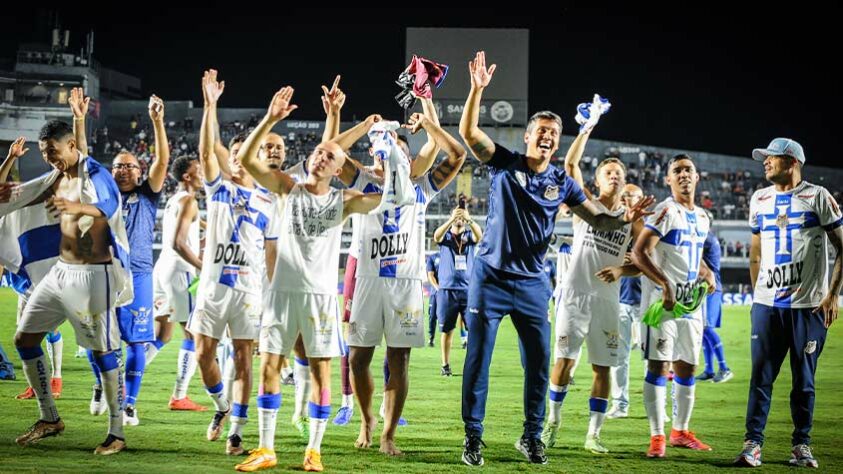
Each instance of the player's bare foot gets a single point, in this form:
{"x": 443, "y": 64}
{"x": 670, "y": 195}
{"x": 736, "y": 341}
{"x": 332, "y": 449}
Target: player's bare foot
{"x": 388, "y": 447}
{"x": 364, "y": 440}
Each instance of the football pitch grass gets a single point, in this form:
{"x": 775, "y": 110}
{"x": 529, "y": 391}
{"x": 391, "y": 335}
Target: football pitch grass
{"x": 169, "y": 441}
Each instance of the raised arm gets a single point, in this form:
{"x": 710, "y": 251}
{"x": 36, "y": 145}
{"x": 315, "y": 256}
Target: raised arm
{"x": 440, "y": 231}
{"x": 158, "y": 170}
{"x": 588, "y": 212}
{"x": 572, "y": 160}
{"x": 427, "y": 155}
{"x": 274, "y": 180}
{"x": 445, "y": 172}
{"x": 188, "y": 212}
{"x": 346, "y": 139}
{"x": 16, "y": 150}
{"x": 79, "y": 106}
{"x": 211, "y": 90}
{"x": 481, "y": 145}
{"x": 332, "y": 102}
{"x": 475, "y": 228}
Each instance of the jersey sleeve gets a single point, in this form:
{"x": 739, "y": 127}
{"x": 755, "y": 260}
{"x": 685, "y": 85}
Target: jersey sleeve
{"x": 273, "y": 227}
{"x": 827, "y": 210}
{"x": 754, "y": 225}
{"x": 574, "y": 195}
{"x": 502, "y": 158}
{"x": 661, "y": 222}
{"x": 424, "y": 186}
{"x": 212, "y": 187}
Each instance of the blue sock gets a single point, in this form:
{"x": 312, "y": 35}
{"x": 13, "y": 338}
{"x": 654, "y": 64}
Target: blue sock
{"x": 717, "y": 347}
{"x": 708, "y": 352}
{"x": 94, "y": 367}
{"x": 135, "y": 363}
{"x": 53, "y": 338}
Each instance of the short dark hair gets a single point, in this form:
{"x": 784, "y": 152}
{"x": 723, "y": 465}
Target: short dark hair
{"x": 608, "y": 161}
{"x": 239, "y": 138}
{"x": 545, "y": 115}
{"x": 180, "y": 166}
{"x": 55, "y": 130}
{"x": 681, "y": 156}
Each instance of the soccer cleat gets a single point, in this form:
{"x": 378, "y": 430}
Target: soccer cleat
{"x": 258, "y": 460}
{"x": 234, "y": 446}
{"x": 532, "y": 449}
{"x": 55, "y": 387}
{"x": 39, "y": 430}
{"x": 617, "y": 412}
{"x": 471, "y": 453}
{"x": 464, "y": 344}
{"x": 657, "y": 447}
{"x": 801, "y": 456}
{"x": 130, "y": 416}
{"x": 7, "y": 374}
{"x": 313, "y": 461}
{"x": 446, "y": 371}
{"x": 98, "y": 405}
{"x": 593, "y": 444}
{"x": 185, "y": 404}
{"x": 288, "y": 380}
{"x": 723, "y": 376}
{"x": 27, "y": 394}
{"x": 302, "y": 425}
{"x": 343, "y": 416}
{"x": 217, "y": 424}
{"x": 705, "y": 377}
{"x": 549, "y": 435}
{"x": 750, "y": 456}
{"x": 686, "y": 439}
{"x": 111, "y": 445}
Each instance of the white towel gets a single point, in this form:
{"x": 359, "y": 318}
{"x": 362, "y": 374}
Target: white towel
{"x": 31, "y": 236}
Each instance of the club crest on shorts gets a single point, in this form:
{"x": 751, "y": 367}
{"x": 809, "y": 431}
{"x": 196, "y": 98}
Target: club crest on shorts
{"x": 324, "y": 324}
{"x": 611, "y": 339}
{"x": 141, "y": 316}
{"x": 408, "y": 318}
{"x": 811, "y": 347}
{"x": 522, "y": 178}
{"x": 562, "y": 343}
{"x": 551, "y": 193}
{"x": 660, "y": 345}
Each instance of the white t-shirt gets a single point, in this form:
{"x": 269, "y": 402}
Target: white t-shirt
{"x": 169, "y": 225}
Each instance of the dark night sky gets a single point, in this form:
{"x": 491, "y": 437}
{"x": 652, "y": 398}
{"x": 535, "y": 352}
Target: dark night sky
{"x": 718, "y": 81}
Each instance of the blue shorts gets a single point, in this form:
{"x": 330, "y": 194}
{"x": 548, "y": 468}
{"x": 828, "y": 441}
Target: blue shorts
{"x": 135, "y": 319}
{"x": 450, "y": 304}
{"x": 431, "y": 305}
{"x": 713, "y": 309}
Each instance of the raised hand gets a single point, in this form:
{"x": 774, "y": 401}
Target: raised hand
{"x": 211, "y": 88}
{"x": 78, "y": 102}
{"x": 480, "y": 75}
{"x": 156, "y": 108}
{"x": 280, "y": 106}
{"x": 416, "y": 122}
{"x": 17, "y": 150}
{"x": 334, "y": 99}
{"x": 639, "y": 210}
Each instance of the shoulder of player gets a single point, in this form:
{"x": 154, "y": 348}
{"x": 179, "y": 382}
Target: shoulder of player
{"x": 763, "y": 194}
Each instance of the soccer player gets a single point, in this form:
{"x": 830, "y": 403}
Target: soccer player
{"x": 432, "y": 263}
{"x": 792, "y": 222}
{"x": 712, "y": 308}
{"x": 669, "y": 253}
{"x": 388, "y": 296}
{"x": 140, "y": 204}
{"x": 177, "y": 266}
{"x": 457, "y": 239}
{"x": 526, "y": 194}
{"x": 90, "y": 280}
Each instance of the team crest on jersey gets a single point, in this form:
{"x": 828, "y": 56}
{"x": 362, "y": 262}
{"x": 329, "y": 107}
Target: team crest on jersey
{"x": 408, "y": 318}
{"x": 611, "y": 339}
{"x": 132, "y": 199}
{"x": 551, "y": 193}
{"x": 811, "y": 347}
{"x": 522, "y": 178}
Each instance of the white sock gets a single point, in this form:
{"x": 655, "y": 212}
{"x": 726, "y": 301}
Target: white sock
{"x": 654, "y": 400}
{"x": 285, "y": 372}
{"x": 228, "y": 378}
{"x": 217, "y": 395}
{"x": 302, "y": 377}
{"x": 239, "y": 418}
{"x": 317, "y": 431}
{"x": 55, "y": 350}
{"x": 186, "y": 368}
{"x": 348, "y": 401}
{"x": 266, "y": 427}
{"x": 555, "y": 397}
{"x": 112, "y": 389}
{"x": 597, "y": 412}
{"x": 684, "y": 405}
{"x": 35, "y": 369}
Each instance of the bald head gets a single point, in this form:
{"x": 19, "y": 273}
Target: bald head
{"x": 273, "y": 151}
{"x": 326, "y": 160}
{"x": 631, "y": 195}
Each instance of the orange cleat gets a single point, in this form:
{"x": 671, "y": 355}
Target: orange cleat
{"x": 185, "y": 404}
{"x": 657, "y": 447}
{"x": 55, "y": 387}
{"x": 686, "y": 439}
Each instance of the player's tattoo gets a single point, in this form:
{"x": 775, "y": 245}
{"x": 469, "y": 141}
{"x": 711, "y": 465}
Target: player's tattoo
{"x": 86, "y": 245}
{"x": 482, "y": 149}
{"x": 441, "y": 173}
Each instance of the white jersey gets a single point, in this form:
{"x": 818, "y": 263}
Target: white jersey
{"x": 679, "y": 251}
{"x": 392, "y": 242}
{"x": 794, "y": 245}
{"x": 298, "y": 172}
{"x": 309, "y": 242}
{"x": 239, "y": 220}
{"x": 169, "y": 225}
{"x": 563, "y": 262}
{"x": 365, "y": 182}
{"x": 592, "y": 251}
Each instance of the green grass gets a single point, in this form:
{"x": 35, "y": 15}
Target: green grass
{"x": 175, "y": 442}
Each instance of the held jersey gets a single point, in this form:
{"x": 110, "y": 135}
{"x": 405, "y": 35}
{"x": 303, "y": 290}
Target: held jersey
{"x": 594, "y": 250}
{"x": 794, "y": 246}
{"x": 392, "y": 241}
{"x": 309, "y": 242}
{"x": 682, "y": 233}
{"x": 238, "y": 222}
{"x": 169, "y": 227}
{"x": 365, "y": 182}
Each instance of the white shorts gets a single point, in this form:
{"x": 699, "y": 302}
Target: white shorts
{"x": 590, "y": 319}
{"x": 83, "y": 294}
{"x": 676, "y": 339}
{"x": 388, "y": 308}
{"x": 169, "y": 293}
{"x": 219, "y": 307}
{"x": 315, "y": 316}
